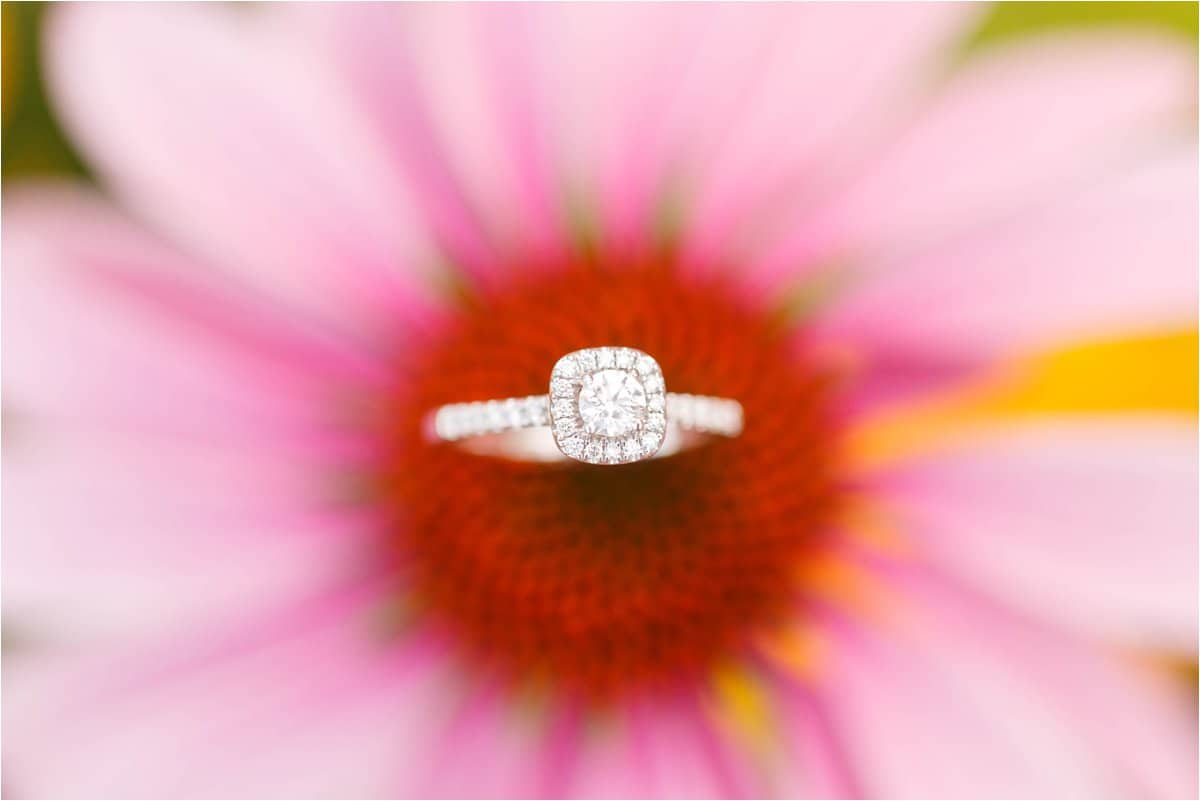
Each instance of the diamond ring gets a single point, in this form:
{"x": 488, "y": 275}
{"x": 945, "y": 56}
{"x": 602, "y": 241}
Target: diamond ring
{"x": 605, "y": 406}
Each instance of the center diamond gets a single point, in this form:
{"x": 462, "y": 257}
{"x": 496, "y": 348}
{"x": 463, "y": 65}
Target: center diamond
{"x": 612, "y": 403}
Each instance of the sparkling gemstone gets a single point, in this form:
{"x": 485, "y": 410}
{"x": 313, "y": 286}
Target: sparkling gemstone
{"x": 539, "y": 412}
{"x": 612, "y": 402}
{"x": 494, "y": 416}
{"x": 563, "y": 408}
{"x": 513, "y": 417}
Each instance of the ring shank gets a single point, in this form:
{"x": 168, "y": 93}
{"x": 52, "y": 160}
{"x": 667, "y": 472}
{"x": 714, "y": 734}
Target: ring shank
{"x": 701, "y": 414}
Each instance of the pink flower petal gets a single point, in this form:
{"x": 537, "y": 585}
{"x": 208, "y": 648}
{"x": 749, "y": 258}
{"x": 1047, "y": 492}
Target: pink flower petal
{"x": 1119, "y": 255}
{"x": 1138, "y": 723}
{"x": 1081, "y": 103}
{"x": 323, "y": 708}
{"x": 921, "y": 722}
{"x": 171, "y": 440}
{"x": 776, "y": 118}
{"x": 811, "y": 757}
{"x": 1086, "y": 524}
{"x": 374, "y": 52}
{"x": 88, "y": 292}
{"x": 215, "y": 126}
{"x": 609, "y": 764}
{"x": 462, "y": 113}
{"x": 614, "y": 72}
{"x": 941, "y": 695}
{"x": 487, "y": 744}
{"x": 666, "y": 747}
{"x": 109, "y": 535}
{"x": 685, "y": 756}
{"x": 478, "y": 99}
{"x": 718, "y": 101}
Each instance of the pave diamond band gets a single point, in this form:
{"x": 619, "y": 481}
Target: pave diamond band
{"x": 699, "y": 413}
{"x": 460, "y": 420}
{"x": 605, "y": 406}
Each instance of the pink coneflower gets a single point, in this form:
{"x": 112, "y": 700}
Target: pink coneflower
{"x": 234, "y": 566}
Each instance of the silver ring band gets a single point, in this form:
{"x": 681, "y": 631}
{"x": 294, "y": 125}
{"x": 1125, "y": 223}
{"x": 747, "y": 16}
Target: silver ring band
{"x": 703, "y": 414}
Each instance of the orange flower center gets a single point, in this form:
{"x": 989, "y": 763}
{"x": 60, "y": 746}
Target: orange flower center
{"x": 604, "y": 580}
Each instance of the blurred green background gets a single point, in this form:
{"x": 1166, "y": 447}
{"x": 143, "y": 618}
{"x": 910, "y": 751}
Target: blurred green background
{"x": 32, "y": 143}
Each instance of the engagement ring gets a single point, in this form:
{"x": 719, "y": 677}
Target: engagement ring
{"x": 605, "y": 406}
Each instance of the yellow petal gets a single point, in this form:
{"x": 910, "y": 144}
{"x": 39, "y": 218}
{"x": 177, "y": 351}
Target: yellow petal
{"x": 741, "y": 707}
{"x": 1147, "y": 374}
{"x": 1156, "y": 374}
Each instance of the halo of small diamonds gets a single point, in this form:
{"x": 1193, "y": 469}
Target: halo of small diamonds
{"x": 631, "y": 382}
